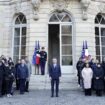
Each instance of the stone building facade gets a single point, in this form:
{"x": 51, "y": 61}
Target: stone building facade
{"x": 59, "y": 25}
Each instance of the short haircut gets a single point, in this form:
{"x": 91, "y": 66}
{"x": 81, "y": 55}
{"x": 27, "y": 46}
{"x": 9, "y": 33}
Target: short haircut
{"x": 43, "y": 47}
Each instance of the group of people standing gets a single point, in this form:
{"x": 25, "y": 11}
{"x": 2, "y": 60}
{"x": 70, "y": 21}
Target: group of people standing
{"x": 9, "y": 73}
{"x": 91, "y": 76}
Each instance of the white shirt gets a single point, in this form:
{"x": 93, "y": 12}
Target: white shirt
{"x": 54, "y": 65}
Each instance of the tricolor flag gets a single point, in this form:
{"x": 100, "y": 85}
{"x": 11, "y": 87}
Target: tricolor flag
{"x": 36, "y": 55}
{"x": 85, "y": 52}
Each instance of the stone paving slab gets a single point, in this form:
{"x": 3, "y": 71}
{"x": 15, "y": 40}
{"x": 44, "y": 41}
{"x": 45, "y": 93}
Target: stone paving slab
{"x": 42, "y": 97}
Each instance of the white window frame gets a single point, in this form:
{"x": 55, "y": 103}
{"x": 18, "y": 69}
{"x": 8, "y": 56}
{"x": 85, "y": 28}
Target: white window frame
{"x": 100, "y": 26}
{"x": 20, "y": 26}
{"x": 60, "y": 25}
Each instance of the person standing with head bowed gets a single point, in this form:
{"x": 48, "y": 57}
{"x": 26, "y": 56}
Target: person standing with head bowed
{"x": 54, "y": 74}
{"x": 22, "y": 75}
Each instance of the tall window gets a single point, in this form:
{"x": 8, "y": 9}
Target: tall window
{"x": 100, "y": 36}
{"x": 20, "y": 29}
{"x": 65, "y": 22}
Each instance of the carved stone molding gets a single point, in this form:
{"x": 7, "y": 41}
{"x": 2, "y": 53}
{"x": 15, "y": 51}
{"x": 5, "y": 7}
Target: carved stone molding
{"x": 35, "y": 7}
{"x": 85, "y": 4}
{"x": 18, "y": 6}
{"x": 101, "y": 7}
{"x": 60, "y": 5}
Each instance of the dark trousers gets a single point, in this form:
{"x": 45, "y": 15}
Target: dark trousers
{"x": 27, "y": 86}
{"x": 42, "y": 64}
{"x": 53, "y": 83}
{"x": 9, "y": 84}
{"x": 99, "y": 92}
{"x": 79, "y": 80}
{"x": 4, "y": 87}
{"x": 36, "y": 69}
{"x": 88, "y": 92}
{"x": 17, "y": 84}
{"x": 1, "y": 81}
{"x": 22, "y": 85}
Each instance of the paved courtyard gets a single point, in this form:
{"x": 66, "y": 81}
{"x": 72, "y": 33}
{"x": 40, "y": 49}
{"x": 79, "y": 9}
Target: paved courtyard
{"x": 42, "y": 97}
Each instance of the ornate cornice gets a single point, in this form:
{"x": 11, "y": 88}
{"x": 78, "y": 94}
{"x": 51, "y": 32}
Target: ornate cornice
{"x": 60, "y": 5}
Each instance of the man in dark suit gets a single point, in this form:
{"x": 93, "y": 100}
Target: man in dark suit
{"x": 22, "y": 75}
{"x": 43, "y": 59}
{"x": 54, "y": 74}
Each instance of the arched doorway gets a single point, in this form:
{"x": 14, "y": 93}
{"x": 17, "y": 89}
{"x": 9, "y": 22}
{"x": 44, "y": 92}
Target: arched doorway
{"x": 100, "y": 36}
{"x": 60, "y": 40}
{"x": 19, "y": 39}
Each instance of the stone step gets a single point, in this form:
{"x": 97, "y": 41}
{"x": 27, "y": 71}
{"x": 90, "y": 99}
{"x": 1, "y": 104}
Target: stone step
{"x": 43, "y": 82}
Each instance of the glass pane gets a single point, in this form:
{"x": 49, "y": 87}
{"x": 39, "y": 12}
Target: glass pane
{"x": 103, "y": 41}
{"x": 103, "y": 21}
{"x": 97, "y": 31}
{"x": 98, "y": 58}
{"x": 21, "y": 19}
{"x": 17, "y": 41}
{"x": 97, "y": 50}
{"x": 24, "y": 31}
{"x": 23, "y": 57}
{"x": 23, "y": 50}
{"x": 23, "y": 41}
{"x": 103, "y": 57}
{"x": 67, "y": 60}
{"x": 17, "y": 32}
{"x": 66, "y": 40}
{"x": 66, "y": 29}
{"x": 16, "y": 50}
{"x": 15, "y": 58}
{"x": 102, "y": 31}
{"x": 17, "y": 21}
{"x": 21, "y": 16}
{"x": 66, "y": 19}
{"x": 96, "y": 20}
{"x": 99, "y": 17}
{"x": 66, "y": 50}
{"x": 60, "y": 15}
{"x": 54, "y": 19}
{"x": 97, "y": 40}
{"x": 24, "y": 20}
{"x": 103, "y": 50}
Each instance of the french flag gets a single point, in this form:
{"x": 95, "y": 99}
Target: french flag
{"x": 38, "y": 53}
{"x": 86, "y": 50}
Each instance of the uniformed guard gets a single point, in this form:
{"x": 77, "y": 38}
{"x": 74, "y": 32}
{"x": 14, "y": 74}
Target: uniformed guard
{"x": 43, "y": 59}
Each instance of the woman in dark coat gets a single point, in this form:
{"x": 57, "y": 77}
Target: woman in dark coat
{"x": 1, "y": 77}
{"x": 80, "y": 65}
{"x": 9, "y": 77}
{"x": 103, "y": 66}
{"x": 16, "y": 68}
{"x": 98, "y": 76}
